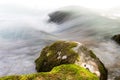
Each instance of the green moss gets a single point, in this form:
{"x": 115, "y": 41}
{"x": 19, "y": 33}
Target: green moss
{"x": 51, "y": 56}
{"x": 15, "y": 77}
{"x": 78, "y": 72}
{"x": 102, "y": 70}
{"x": 62, "y": 72}
{"x": 92, "y": 54}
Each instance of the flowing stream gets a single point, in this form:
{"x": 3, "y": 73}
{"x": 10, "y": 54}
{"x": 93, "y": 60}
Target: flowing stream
{"x": 23, "y": 35}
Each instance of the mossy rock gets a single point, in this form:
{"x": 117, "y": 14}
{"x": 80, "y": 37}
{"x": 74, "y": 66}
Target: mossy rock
{"x": 56, "y": 54}
{"x": 62, "y": 72}
{"x": 70, "y": 52}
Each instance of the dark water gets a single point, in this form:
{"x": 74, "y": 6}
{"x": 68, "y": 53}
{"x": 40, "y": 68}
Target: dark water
{"x": 22, "y": 36}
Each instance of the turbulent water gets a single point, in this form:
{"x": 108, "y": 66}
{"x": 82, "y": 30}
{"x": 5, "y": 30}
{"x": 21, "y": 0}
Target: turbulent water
{"x": 23, "y": 35}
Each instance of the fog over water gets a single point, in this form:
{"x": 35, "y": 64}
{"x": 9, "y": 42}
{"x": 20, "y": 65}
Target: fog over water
{"x": 24, "y": 32}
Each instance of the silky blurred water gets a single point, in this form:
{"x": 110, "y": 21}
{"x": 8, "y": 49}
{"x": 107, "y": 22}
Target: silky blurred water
{"x": 23, "y": 34}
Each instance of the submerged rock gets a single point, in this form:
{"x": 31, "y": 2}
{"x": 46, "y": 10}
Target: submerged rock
{"x": 62, "y": 72}
{"x": 69, "y": 52}
{"x": 116, "y": 38}
{"x": 58, "y": 16}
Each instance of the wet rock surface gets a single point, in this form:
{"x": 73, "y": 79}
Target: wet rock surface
{"x": 69, "y": 52}
{"x": 116, "y": 38}
{"x": 58, "y": 16}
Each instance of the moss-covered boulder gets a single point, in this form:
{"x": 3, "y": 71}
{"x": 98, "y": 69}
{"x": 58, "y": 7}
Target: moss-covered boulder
{"x": 116, "y": 38}
{"x": 69, "y": 52}
{"x": 62, "y": 72}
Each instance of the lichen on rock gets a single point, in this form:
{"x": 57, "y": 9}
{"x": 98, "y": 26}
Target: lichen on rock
{"x": 70, "y": 52}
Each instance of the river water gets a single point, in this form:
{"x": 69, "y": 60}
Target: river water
{"x": 23, "y": 34}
